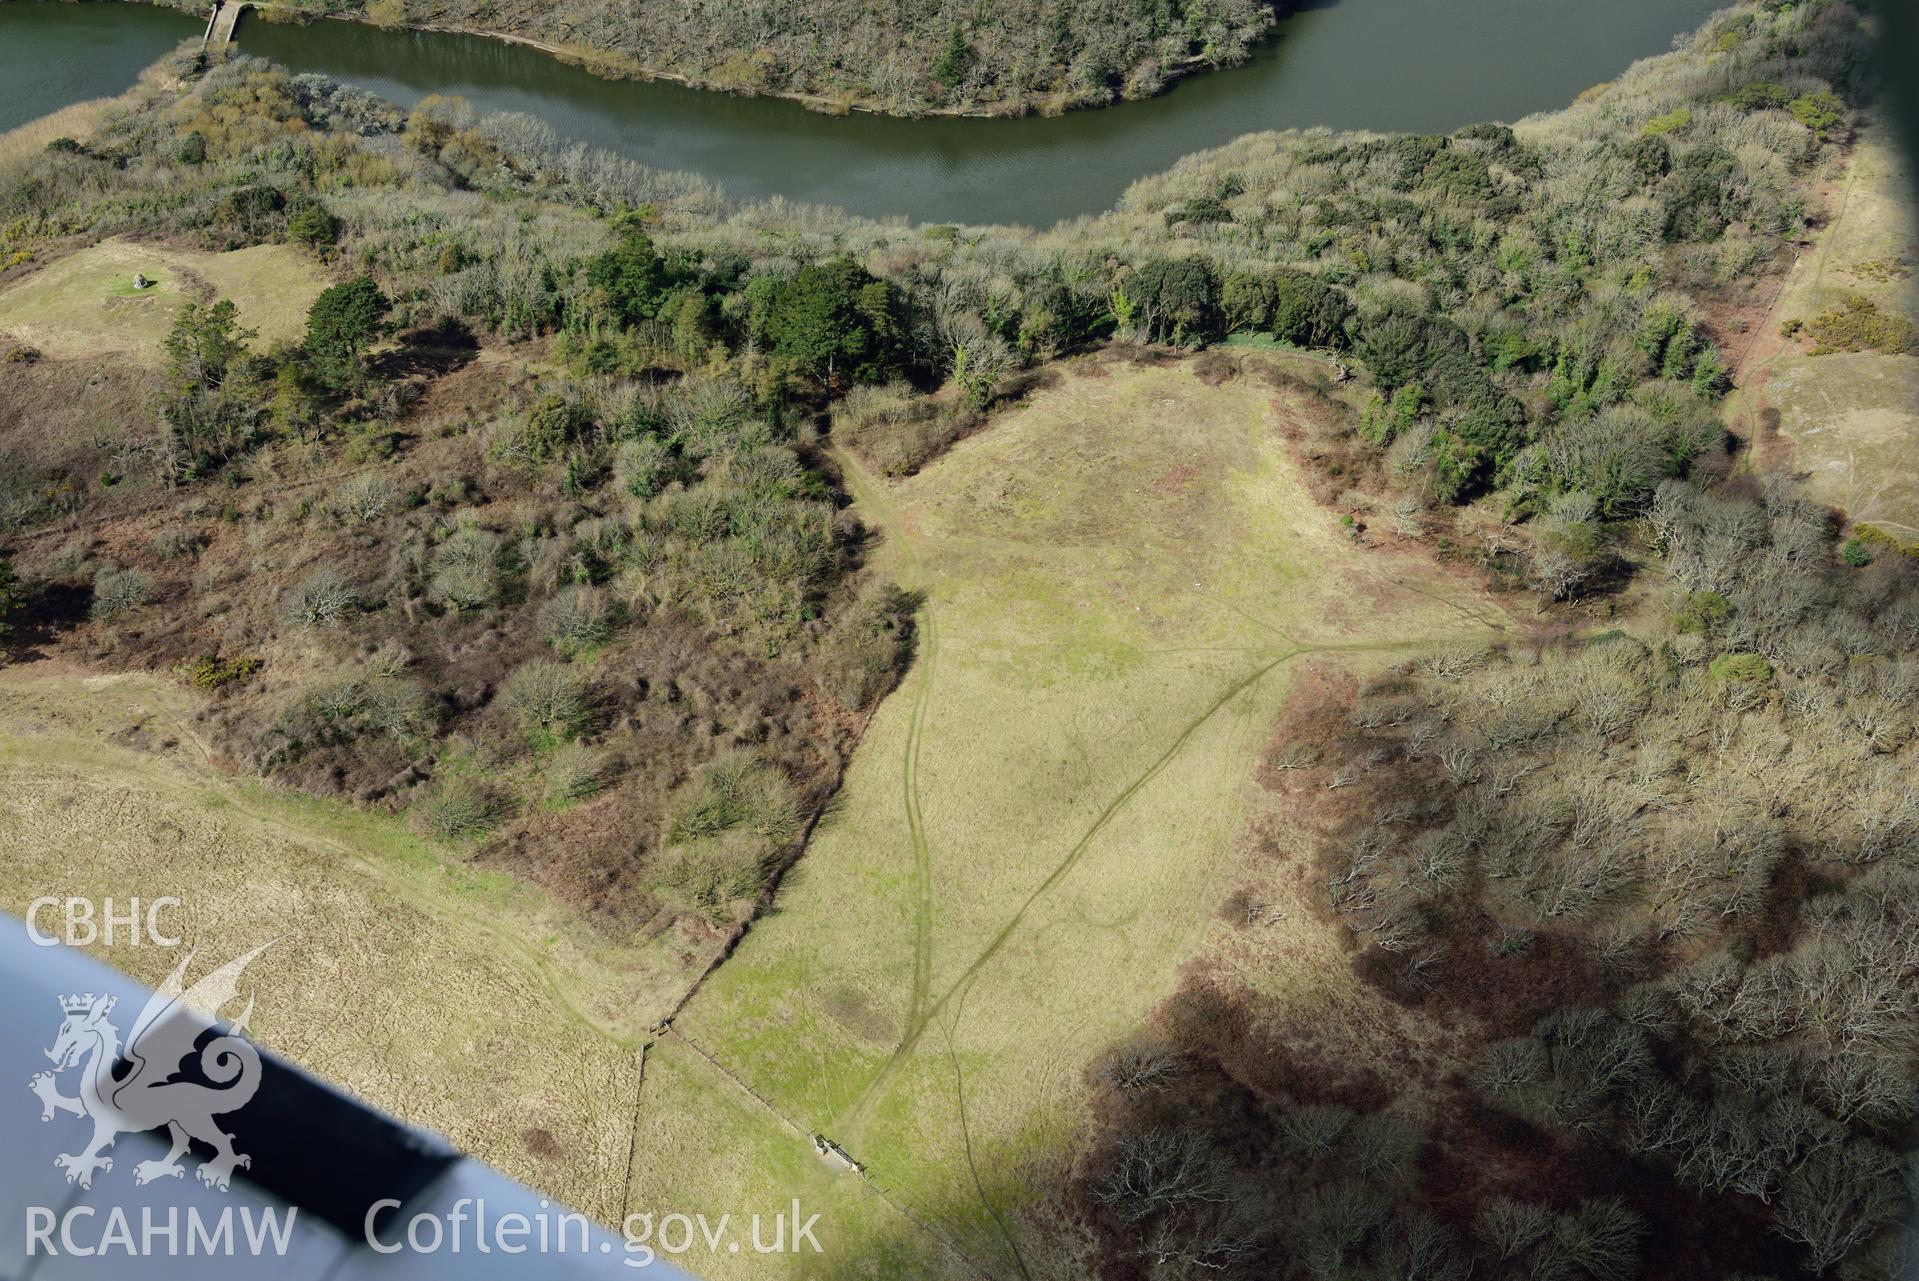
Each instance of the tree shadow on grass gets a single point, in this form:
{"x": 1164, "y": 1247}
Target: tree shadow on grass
{"x": 431, "y": 351}
{"x": 50, "y": 611}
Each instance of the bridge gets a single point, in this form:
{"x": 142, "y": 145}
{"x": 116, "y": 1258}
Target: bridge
{"x": 220, "y": 24}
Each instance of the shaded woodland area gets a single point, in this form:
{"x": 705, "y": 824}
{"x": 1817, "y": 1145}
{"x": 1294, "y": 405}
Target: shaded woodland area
{"x": 1663, "y": 887}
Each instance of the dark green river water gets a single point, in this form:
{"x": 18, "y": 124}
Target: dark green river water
{"x": 1425, "y": 65}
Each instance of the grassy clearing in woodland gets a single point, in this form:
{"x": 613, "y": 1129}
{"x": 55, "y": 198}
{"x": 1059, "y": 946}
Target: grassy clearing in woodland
{"x": 85, "y": 305}
{"x": 1121, "y": 578}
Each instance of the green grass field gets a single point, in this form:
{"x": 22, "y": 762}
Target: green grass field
{"x": 84, "y": 305}
{"x": 1037, "y": 828}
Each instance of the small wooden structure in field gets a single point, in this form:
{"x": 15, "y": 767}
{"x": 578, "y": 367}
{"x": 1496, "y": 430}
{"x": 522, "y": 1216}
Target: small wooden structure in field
{"x": 834, "y": 1154}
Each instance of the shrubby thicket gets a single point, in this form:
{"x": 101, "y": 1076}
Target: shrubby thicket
{"x": 994, "y": 57}
{"x": 1672, "y": 880}
{"x": 1542, "y": 311}
{"x": 533, "y": 592}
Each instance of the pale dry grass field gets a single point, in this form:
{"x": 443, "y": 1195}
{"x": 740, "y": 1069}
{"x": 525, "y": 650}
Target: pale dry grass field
{"x": 1853, "y": 417}
{"x": 84, "y": 305}
{"x": 1037, "y": 830}
{"x": 455, "y": 1000}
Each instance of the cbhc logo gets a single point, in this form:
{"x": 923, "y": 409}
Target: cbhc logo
{"x": 81, "y": 922}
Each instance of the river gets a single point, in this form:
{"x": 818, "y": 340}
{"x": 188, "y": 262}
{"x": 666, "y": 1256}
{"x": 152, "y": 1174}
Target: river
{"x": 1421, "y": 65}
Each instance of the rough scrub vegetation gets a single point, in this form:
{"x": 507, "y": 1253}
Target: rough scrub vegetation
{"x": 1658, "y": 884}
{"x": 527, "y": 611}
{"x": 997, "y": 57}
{"x": 1652, "y": 886}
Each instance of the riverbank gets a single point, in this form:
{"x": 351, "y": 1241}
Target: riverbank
{"x": 1448, "y": 69}
{"x": 76, "y": 121}
{"x": 738, "y": 71}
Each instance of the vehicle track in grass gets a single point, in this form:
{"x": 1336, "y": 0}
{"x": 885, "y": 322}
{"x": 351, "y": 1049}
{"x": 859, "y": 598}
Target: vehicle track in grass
{"x": 1080, "y": 848}
{"x": 966, "y": 1144}
{"x": 962, "y": 988}
{"x": 1060, "y": 871}
{"x": 872, "y": 497}
{"x": 1284, "y": 647}
{"x": 916, "y": 823}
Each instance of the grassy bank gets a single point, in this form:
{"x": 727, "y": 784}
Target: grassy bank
{"x": 398, "y": 967}
{"x": 1845, "y": 403}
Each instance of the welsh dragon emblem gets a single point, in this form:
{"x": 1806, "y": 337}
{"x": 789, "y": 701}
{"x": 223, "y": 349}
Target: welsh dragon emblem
{"x": 149, "y": 1084}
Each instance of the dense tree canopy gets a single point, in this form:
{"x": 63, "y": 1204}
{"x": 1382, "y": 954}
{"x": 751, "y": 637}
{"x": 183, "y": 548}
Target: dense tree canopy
{"x": 342, "y": 326}
{"x": 632, "y": 275}
{"x": 833, "y": 320}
